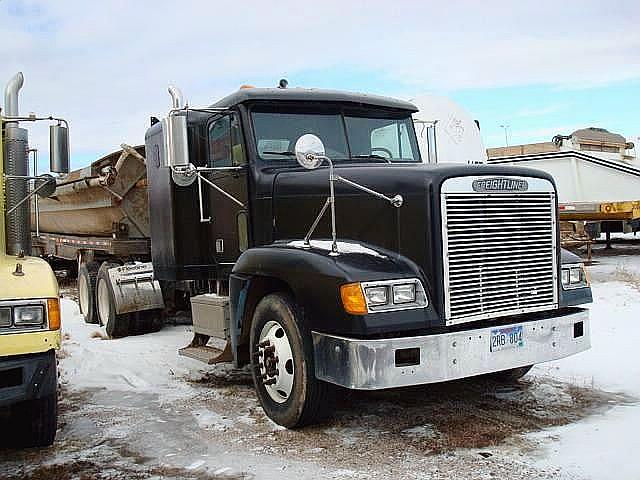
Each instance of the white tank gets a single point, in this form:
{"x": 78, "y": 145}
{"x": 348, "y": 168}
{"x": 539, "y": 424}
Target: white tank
{"x": 457, "y": 136}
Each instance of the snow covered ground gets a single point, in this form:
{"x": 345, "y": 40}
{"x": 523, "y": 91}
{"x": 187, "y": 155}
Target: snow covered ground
{"x": 132, "y": 408}
{"x": 603, "y": 446}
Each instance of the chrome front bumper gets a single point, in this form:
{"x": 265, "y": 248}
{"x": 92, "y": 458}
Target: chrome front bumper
{"x": 372, "y": 365}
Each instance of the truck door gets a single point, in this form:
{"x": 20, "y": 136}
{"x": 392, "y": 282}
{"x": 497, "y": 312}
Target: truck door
{"x": 227, "y": 159}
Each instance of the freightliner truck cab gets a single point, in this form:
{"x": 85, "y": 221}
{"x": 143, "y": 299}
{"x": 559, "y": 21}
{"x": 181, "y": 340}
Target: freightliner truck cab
{"x": 29, "y": 308}
{"x": 331, "y": 255}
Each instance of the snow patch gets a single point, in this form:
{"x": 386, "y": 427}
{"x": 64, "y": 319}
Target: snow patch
{"x": 599, "y": 446}
{"x": 212, "y": 421}
{"x": 422, "y": 431}
{"x": 343, "y": 247}
{"x": 143, "y": 363}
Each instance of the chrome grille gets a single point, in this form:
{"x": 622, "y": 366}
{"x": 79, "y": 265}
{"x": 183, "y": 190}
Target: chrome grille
{"x": 499, "y": 253}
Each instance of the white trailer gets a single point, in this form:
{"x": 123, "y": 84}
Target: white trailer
{"x": 597, "y": 175}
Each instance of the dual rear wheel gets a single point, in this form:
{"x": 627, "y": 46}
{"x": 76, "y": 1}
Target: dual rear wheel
{"x": 98, "y": 306}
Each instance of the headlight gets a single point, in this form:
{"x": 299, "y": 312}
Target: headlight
{"x": 383, "y": 296}
{"x": 405, "y": 293}
{"x": 28, "y": 316}
{"x": 377, "y": 295}
{"x": 5, "y": 317}
{"x": 574, "y": 276}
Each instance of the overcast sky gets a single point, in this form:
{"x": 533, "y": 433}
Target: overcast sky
{"x": 541, "y": 67}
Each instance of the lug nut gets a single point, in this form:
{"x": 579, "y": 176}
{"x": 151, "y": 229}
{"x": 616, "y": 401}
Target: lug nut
{"x": 271, "y": 381}
{"x": 264, "y": 344}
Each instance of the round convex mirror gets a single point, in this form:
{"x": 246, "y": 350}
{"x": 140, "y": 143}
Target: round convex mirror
{"x": 46, "y": 185}
{"x": 309, "y": 151}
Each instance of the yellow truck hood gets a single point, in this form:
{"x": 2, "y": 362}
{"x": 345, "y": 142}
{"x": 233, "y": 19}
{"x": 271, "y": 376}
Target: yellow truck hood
{"x": 38, "y": 280}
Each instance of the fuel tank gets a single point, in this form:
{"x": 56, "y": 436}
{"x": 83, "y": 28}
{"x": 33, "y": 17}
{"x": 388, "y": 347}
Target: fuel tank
{"x": 109, "y": 197}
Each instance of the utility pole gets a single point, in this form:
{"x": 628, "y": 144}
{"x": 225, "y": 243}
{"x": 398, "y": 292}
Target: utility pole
{"x": 506, "y": 137}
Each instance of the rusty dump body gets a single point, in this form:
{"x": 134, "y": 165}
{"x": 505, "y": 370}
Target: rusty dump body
{"x": 102, "y": 207}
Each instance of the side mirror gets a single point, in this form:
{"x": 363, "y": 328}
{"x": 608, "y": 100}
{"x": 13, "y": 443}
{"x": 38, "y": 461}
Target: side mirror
{"x": 46, "y": 185}
{"x": 309, "y": 151}
{"x": 176, "y": 145}
{"x": 59, "y": 149}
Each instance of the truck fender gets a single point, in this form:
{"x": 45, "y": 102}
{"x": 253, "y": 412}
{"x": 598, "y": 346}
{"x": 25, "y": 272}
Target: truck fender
{"x": 312, "y": 276}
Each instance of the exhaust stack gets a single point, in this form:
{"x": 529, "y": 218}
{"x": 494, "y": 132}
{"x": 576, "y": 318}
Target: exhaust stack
{"x": 11, "y": 95}
{"x": 16, "y": 162}
{"x": 177, "y": 101}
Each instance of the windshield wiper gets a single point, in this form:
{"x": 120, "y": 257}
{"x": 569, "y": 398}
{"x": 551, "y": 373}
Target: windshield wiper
{"x": 286, "y": 153}
{"x": 372, "y": 156}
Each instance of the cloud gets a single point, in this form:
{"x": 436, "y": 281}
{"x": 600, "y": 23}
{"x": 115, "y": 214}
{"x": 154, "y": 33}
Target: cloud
{"x": 105, "y": 65}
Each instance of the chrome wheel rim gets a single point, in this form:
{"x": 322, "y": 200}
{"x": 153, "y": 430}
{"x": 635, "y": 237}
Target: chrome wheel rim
{"x": 104, "y": 306}
{"x": 275, "y": 361}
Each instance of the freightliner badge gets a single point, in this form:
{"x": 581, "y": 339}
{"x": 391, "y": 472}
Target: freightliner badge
{"x": 500, "y": 184}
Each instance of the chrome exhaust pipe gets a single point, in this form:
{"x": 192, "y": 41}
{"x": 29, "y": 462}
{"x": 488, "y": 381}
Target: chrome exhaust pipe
{"x": 11, "y": 95}
{"x": 16, "y": 163}
{"x": 176, "y": 96}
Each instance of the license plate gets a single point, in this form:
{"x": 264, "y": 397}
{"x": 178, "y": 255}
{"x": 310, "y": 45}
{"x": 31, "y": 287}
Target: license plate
{"x": 509, "y": 337}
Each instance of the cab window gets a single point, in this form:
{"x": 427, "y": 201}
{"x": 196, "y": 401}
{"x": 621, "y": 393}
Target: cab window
{"x": 225, "y": 143}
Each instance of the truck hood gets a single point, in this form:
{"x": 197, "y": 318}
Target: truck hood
{"x": 414, "y": 230}
{"x": 38, "y": 280}
{"x": 298, "y": 196}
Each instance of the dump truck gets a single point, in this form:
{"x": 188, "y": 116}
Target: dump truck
{"x": 29, "y": 305}
{"x": 311, "y": 243}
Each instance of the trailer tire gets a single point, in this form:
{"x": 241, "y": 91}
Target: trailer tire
{"x": 37, "y": 421}
{"x": 115, "y": 325}
{"x": 87, "y": 277}
{"x": 296, "y": 397}
{"x": 146, "y": 321}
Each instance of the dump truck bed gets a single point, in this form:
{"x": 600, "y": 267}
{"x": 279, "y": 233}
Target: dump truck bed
{"x": 102, "y": 207}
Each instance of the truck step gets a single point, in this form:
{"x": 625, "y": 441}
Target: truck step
{"x": 207, "y": 354}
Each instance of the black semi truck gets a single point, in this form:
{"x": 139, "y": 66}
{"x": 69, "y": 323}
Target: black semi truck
{"x": 308, "y": 236}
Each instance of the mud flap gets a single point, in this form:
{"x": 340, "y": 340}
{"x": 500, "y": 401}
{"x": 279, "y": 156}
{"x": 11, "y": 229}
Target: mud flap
{"x": 135, "y": 288}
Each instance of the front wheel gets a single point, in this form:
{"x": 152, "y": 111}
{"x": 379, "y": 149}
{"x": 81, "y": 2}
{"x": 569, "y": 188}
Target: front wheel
{"x": 283, "y": 364}
{"x": 38, "y": 420}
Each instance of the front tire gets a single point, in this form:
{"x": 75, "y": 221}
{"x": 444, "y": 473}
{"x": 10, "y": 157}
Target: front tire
{"x": 283, "y": 364}
{"x": 38, "y": 420}
{"x": 115, "y": 325}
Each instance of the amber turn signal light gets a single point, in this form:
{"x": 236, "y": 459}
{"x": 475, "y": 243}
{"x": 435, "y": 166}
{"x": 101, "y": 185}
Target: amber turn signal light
{"x": 353, "y": 299}
{"x": 53, "y": 313}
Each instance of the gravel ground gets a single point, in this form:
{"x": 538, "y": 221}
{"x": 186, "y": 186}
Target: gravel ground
{"x": 464, "y": 429}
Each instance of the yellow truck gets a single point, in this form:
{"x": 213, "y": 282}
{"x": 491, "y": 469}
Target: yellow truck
{"x": 29, "y": 305}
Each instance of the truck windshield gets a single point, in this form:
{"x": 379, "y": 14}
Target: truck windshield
{"x": 346, "y": 137}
